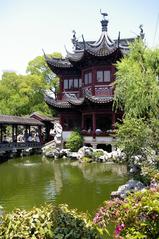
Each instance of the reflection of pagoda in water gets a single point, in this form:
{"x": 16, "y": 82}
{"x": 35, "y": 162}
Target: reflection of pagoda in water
{"x": 86, "y": 87}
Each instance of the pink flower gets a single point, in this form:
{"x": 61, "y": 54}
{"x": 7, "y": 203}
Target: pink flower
{"x": 118, "y": 229}
{"x": 97, "y": 218}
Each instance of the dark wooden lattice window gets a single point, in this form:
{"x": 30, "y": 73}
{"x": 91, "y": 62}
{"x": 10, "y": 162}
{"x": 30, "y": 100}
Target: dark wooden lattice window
{"x": 88, "y": 78}
{"x": 103, "y": 76}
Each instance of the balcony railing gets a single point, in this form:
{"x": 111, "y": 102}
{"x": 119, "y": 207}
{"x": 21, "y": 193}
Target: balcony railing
{"x": 9, "y": 146}
{"x": 99, "y": 90}
{"x": 97, "y": 133}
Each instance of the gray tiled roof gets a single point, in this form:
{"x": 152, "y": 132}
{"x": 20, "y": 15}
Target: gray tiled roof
{"x": 17, "y": 120}
{"x": 71, "y": 101}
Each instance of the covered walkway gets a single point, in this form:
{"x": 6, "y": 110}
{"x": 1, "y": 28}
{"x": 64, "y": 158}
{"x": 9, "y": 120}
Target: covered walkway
{"x": 18, "y": 133}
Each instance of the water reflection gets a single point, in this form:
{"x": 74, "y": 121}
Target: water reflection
{"x": 100, "y": 171}
{"x": 29, "y": 182}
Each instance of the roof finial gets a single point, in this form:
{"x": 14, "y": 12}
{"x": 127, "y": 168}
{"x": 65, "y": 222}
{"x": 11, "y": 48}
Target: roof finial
{"x": 118, "y": 39}
{"x": 104, "y": 22}
{"x": 74, "y": 39}
{"x": 142, "y": 34}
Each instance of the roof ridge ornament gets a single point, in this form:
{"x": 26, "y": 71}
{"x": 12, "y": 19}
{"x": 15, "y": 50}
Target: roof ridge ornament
{"x": 142, "y": 34}
{"x": 74, "y": 39}
{"x": 104, "y": 22}
{"x": 84, "y": 43}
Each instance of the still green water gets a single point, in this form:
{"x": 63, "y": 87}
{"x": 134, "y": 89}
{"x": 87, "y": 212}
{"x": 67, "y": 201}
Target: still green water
{"x": 32, "y": 181}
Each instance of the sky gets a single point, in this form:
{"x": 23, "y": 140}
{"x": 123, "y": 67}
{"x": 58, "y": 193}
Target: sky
{"x": 28, "y": 26}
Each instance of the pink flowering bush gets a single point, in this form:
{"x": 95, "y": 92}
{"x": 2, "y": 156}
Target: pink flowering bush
{"x": 135, "y": 217}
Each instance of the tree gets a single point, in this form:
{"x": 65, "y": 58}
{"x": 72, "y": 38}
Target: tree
{"x": 133, "y": 136}
{"x": 137, "y": 94}
{"x": 22, "y": 94}
{"x": 137, "y": 84}
{"x": 39, "y": 67}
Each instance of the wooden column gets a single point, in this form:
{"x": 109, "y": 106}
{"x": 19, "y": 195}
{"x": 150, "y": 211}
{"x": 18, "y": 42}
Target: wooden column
{"x": 16, "y": 133}
{"x": 40, "y": 134}
{"x": 93, "y": 81}
{"x": 26, "y": 133}
{"x": 61, "y": 87}
{"x": 29, "y": 129}
{"x": 82, "y": 84}
{"x": 39, "y": 130}
{"x": 94, "y": 124}
{"x": 12, "y": 133}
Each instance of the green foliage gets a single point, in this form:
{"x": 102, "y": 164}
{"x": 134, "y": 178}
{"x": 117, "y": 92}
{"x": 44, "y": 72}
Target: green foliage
{"x": 133, "y": 136}
{"x": 39, "y": 67}
{"x": 137, "y": 85}
{"x": 36, "y": 223}
{"x": 148, "y": 174}
{"x": 75, "y": 141}
{"x": 98, "y": 153}
{"x": 154, "y": 136}
{"x": 137, "y": 216}
{"x": 73, "y": 225}
{"x": 48, "y": 222}
{"x": 142, "y": 216}
{"x": 137, "y": 94}
{"x": 22, "y": 94}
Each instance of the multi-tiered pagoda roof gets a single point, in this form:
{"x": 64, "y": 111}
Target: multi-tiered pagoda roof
{"x": 87, "y": 54}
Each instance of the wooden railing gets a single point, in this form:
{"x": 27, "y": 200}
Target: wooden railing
{"x": 96, "y": 134}
{"x": 19, "y": 145}
{"x": 99, "y": 90}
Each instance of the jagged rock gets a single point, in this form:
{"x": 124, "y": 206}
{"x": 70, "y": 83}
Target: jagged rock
{"x": 118, "y": 156}
{"x": 56, "y": 153}
{"x": 49, "y": 154}
{"x": 52, "y": 153}
{"x": 49, "y": 150}
{"x": 64, "y": 153}
{"x": 85, "y": 152}
{"x": 72, "y": 155}
{"x": 97, "y": 155}
{"x": 131, "y": 186}
{"x": 134, "y": 169}
{"x": 58, "y": 133}
{"x": 101, "y": 159}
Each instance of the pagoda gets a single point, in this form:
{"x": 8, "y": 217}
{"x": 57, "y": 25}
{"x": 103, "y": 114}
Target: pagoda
{"x": 87, "y": 79}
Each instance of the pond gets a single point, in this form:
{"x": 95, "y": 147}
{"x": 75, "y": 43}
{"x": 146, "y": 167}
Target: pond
{"x": 32, "y": 181}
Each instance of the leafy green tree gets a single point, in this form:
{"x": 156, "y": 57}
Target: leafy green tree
{"x": 137, "y": 94}
{"x": 137, "y": 84}
{"x": 39, "y": 67}
{"x": 22, "y": 94}
{"x": 133, "y": 136}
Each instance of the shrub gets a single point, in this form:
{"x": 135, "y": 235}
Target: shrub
{"x": 48, "y": 222}
{"x": 135, "y": 217}
{"x": 36, "y": 223}
{"x": 97, "y": 154}
{"x": 133, "y": 136}
{"x": 148, "y": 174}
{"x": 75, "y": 141}
{"x": 73, "y": 225}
